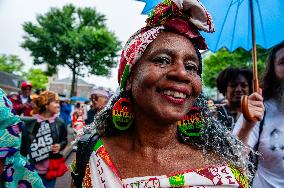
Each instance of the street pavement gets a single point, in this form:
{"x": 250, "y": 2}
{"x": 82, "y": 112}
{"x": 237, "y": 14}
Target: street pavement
{"x": 65, "y": 181}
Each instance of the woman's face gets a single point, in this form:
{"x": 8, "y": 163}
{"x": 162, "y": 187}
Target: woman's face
{"x": 165, "y": 83}
{"x": 279, "y": 64}
{"x": 53, "y": 107}
{"x": 101, "y": 102}
{"x": 236, "y": 89}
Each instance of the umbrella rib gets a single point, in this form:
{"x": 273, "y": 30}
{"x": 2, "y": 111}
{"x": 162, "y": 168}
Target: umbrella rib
{"x": 248, "y": 35}
{"x": 223, "y": 25}
{"x": 234, "y": 29}
{"x": 261, "y": 23}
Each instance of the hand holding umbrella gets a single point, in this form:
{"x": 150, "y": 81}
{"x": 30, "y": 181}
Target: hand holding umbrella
{"x": 238, "y": 24}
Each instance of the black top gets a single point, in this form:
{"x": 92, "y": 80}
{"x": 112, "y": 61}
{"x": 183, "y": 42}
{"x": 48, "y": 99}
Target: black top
{"x": 58, "y": 133}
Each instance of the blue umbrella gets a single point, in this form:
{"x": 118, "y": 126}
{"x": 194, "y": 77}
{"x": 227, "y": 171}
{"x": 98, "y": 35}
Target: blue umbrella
{"x": 232, "y": 20}
{"x": 75, "y": 98}
{"x": 246, "y": 23}
{"x": 241, "y": 23}
{"x": 150, "y": 4}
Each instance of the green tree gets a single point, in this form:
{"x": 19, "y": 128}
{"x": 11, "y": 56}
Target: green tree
{"x": 11, "y": 64}
{"x": 74, "y": 37}
{"x": 37, "y": 77}
{"x": 215, "y": 63}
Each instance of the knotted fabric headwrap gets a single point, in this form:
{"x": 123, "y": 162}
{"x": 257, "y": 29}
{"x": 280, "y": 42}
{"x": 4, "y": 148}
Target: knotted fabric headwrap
{"x": 43, "y": 99}
{"x": 183, "y": 17}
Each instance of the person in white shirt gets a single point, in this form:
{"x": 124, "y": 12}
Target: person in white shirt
{"x": 270, "y": 167}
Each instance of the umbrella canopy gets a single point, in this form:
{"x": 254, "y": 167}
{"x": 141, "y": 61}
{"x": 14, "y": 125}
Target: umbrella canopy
{"x": 150, "y": 4}
{"x": 232, "y": 20}
{"x": 75, "y": 98}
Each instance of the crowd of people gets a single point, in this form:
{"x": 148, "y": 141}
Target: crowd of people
{"x": 42, "y": 119}
{"x": 159, "y": 130}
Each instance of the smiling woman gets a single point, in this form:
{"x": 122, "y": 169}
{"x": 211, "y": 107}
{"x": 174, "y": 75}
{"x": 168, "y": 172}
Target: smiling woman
{"x": 158, "y": 131}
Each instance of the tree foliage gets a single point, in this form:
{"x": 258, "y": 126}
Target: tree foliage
{"x": 11, "y": 64}
{"x": 215, "y": 63}
{"x": 74, "y": 37}
{"x": 37, "y": 77}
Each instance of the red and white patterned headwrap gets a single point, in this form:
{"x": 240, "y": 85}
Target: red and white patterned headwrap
{"x": 183, "y": 17}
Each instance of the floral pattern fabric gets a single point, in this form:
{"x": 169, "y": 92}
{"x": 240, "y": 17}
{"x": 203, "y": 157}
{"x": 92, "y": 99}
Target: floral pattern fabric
{"x": 101, "y": 172}
{"x": 17, "y": 170}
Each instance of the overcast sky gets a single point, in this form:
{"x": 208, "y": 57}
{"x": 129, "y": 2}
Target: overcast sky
{"x": 123, "y": 18}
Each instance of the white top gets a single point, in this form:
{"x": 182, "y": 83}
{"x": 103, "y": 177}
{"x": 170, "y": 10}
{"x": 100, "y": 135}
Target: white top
{"x": 270, "y": 171}
{"x": 24, "y": 99}
{"x": 101, "y": 173}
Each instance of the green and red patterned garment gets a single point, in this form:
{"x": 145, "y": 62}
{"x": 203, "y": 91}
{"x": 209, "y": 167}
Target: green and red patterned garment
{"x": 101, "y": 172}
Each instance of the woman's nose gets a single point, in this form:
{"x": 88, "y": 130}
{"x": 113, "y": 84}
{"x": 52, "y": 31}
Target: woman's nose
{"x": 179, "y": 73}
{"x": 238, "y": 87}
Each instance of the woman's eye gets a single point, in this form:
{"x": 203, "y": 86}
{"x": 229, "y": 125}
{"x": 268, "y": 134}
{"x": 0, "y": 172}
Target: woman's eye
{"x": 244, "y": 85}
{"x": 191, "y": 67}
{"x": 162, "y": 60}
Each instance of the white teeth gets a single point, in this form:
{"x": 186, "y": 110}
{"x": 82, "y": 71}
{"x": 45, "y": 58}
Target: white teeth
{"x": 175, "y": 94}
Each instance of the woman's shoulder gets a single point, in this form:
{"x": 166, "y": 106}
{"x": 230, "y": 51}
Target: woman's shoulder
{"x": 27, "y": 119}
{"x": 59, "y": 121}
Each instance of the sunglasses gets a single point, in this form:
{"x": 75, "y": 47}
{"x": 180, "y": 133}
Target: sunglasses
{"x": 94, "y": 97}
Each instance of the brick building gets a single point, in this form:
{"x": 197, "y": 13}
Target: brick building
{"x": 63, "y": 87}
{"x": 10, "y": 82}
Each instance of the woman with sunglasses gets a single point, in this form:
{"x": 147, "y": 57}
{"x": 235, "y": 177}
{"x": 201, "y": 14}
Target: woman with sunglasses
{"x": 99, "y": 98}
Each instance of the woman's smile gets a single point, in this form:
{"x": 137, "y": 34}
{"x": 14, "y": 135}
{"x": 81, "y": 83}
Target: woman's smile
{"x": 165, "y": 82}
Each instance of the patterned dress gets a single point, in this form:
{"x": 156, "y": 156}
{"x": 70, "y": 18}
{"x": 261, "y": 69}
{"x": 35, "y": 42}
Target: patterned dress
{"x": 17, "y": 170}
{"x": 101, "y": 173}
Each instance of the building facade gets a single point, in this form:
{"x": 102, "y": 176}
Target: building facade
{"x": 63, "y": 87}
{"x": 10, "y": 82}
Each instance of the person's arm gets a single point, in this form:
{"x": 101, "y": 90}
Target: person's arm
{"x": 256, "y": 109}
{"x": 63, "y": 130}
{"x": 62, "y": 136}
{"x": 18, "y": 107}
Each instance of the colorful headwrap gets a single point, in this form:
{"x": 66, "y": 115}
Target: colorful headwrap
{"x": 184, "y": 17}
{"x": 43, "y": 99}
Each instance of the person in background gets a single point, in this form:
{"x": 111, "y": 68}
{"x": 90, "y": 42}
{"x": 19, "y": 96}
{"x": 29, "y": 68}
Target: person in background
{"x": 233, "y": 83}
{"x": 22, "y": 104}
{"x": 78, "y": 122}
{"x": 99, "y": 99}
{"x": 45, "y": 135}
{"x": 86, "y": 106}
{"x": 13, "y": 96}
{"x": 78, "y": 111}
{"x": 267, "y": 136}
{"x": 65, "y": 111}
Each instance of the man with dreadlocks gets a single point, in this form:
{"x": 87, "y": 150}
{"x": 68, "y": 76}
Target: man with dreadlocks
{"x": 157, "y": 132}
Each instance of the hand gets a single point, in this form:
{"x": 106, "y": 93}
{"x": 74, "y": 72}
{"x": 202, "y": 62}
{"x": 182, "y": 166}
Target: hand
{"x": 55, "y": 148}
{"x": 256, "y": 107}
{"x": 33, "y": 105}
{"x": 26, "y": 105}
